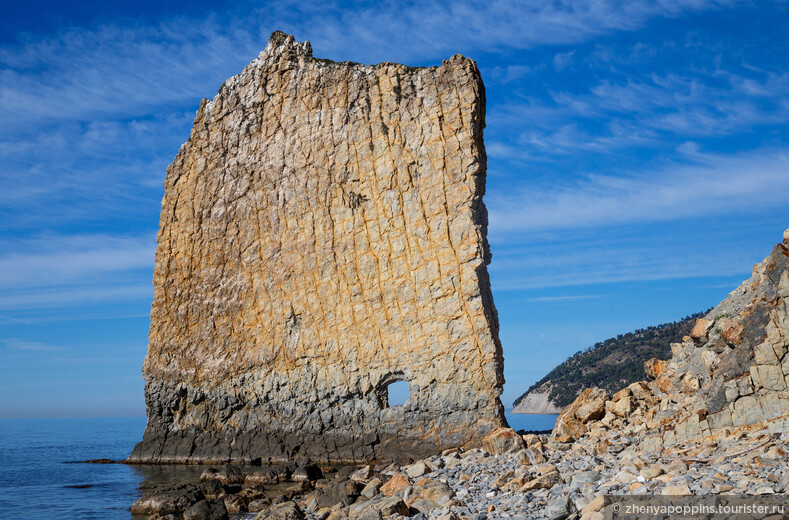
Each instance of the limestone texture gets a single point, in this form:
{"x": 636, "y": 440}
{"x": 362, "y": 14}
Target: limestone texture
{"x": 323, "y": 235}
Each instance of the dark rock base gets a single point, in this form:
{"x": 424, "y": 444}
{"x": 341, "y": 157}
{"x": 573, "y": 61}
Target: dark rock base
{"x": 225, "y": 429}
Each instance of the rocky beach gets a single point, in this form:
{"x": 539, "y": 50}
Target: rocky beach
{"x": 650, "y": 438}
{"x": 529, "y": 476}
{"x": 322, "y": 237}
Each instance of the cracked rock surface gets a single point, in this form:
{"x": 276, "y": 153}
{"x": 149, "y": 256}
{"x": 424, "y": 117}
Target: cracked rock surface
{"x": 323, "y": 235}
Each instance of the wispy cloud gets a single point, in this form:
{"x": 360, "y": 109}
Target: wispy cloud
{"x": 47, "y": 261}
{"x": 562, "y": 60}
{"x": 719, "y": 185}
{"x": 585, "y": 267}
{"x": 19, "y": 344}
{"x": 115, "y": 71}
{"x": 644, "y": 101}
{"x": 416, "y": 29}
{"x": 562, "y": 299}
{"x": 71, "y": 271}
{"x": 79, "y": 296}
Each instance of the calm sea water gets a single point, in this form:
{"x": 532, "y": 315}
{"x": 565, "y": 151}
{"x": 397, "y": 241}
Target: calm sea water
{"x": 531, "y": 421}
{"x": 41, "y": 479}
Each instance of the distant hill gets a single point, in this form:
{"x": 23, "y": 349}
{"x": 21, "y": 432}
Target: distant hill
{"x": 611, "y": 364}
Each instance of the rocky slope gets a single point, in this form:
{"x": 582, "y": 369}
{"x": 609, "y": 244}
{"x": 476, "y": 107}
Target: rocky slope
{"x": 323, "y": 235}
{"x": 730, "y": 373}
{"x": 612, "y": 365}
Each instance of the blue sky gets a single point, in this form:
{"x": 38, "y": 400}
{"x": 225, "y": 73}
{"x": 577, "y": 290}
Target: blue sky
{"x": 638, "y": 163}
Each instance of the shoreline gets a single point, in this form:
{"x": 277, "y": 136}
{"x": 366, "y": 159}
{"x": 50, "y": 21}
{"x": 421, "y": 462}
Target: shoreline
{"x": 513, "y": 475}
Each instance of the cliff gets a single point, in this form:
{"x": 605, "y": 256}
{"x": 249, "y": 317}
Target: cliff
{"x": 611, "y": 365}
{"x": 729, "y": 376}
{"x": 535, "y": 402}
{"x": 322, "y": 236}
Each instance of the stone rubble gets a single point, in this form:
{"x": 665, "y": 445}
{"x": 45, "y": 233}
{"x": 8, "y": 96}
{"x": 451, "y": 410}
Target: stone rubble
{"x": 574, "y": 479}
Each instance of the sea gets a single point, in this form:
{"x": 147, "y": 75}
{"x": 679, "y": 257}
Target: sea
{"x": 41, "y": 476}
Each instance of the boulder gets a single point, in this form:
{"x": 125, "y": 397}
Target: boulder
{"x": 372, "y": 487}
{"x": 395, "y": 484}
{"x": 345, "y": 472}
{"x": 258, "y": 505}
{"x": 206, "y": 510}
{"x": 640, "y": 390}
{"x": 423, "y": 505}
{"x": 228, "y": 475}
{"x": 585, "y": 477}
{"x": 542, "y": 482}
{"x": 307, "y": 471}
{"x": 678, "y": 490}
{"x": 168, "y": 498}
{"x": 502, "y": 440}
{"x": 212, "y": 488}
{"x": 389, "y": 506}
{"x": 234, "y": 504}
{"x": 417, "y": 470}
{"x": 569, "y": 424}
{"x": 343, "y": 492}
{"x": 284, "y": 511}
{"x": 594, "y": 505}
{"x": 558, "y": 508}
{"x": 439, "y": 493}
{"x": 623, "y": 407}
{"x": 369, "y": 513}
{"x": 363, "y": 474}
{"x": 700, "y": 331}
{"x": 267, "y": 476}
{"x": 654, "y": 368}
{"x": 591, "y": 410}
{"x": 731, "y": 331}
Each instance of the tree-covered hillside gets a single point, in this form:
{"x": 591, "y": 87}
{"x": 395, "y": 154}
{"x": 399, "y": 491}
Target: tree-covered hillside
{"x": 611, "y": 364}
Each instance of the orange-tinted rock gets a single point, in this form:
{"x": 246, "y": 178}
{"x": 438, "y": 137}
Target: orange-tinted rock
{"x": 502, "y": 440}
{"x": 588, "y": 402}
{"x": 395, "y": 484}
{"x": 732, "y": 332}
{"x": 664, "y": 384}
{"x": 655, "y": 367}
{"x": 700, "y": 330}
{"x": 625, "y": 392}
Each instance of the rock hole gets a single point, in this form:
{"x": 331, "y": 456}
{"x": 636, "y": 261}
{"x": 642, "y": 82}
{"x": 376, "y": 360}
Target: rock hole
{"x": 397, "y": 393}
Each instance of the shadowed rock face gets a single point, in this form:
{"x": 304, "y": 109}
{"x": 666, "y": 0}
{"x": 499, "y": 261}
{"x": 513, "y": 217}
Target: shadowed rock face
{"x": 322, "y": 236}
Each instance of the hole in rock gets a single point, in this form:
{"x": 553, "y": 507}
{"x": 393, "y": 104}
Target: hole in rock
{"x": 397, "y": 393}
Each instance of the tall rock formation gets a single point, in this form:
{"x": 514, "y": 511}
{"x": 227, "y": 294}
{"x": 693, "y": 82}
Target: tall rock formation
{"x": 322, "y": 236}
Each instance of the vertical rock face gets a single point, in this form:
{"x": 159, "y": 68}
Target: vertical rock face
{"x": 322, "y": 236}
